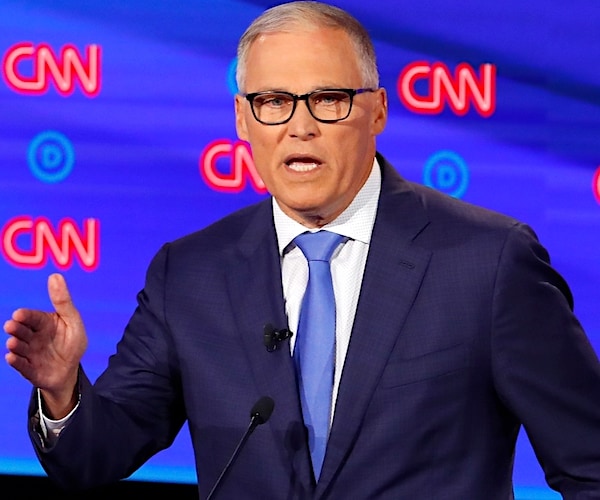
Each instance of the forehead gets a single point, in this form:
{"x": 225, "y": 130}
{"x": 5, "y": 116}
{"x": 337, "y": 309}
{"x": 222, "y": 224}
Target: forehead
{"x": 302, "y": 60}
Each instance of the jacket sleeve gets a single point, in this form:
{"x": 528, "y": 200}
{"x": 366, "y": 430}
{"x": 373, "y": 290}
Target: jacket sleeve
{"x": 131, "y": 412}
{"x": 545, "y": 368}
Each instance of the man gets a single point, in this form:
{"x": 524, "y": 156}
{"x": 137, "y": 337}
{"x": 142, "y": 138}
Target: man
{"x": 452, "y": 330}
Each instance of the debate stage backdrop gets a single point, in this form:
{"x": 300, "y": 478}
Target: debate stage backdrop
{"x": 117, "y": 134}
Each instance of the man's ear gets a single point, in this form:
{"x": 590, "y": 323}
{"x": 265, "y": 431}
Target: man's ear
{"x": 240, "y": 118}
{"x": 380, "y": 112}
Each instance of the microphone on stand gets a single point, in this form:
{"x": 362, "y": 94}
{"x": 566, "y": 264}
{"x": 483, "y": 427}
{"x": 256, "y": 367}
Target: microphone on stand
{"x": 259, "y": 414}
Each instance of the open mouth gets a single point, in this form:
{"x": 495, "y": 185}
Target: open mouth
{"x": 302, "y": 164}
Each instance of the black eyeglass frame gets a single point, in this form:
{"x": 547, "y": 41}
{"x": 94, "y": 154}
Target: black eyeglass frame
{"x": 304, "y": 97}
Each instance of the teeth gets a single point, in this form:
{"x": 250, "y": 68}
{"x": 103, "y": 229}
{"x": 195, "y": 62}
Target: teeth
{"x": 302, "y": 167}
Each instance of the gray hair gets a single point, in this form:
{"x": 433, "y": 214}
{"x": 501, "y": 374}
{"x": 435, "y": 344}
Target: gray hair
{"x": 299, "y": 14}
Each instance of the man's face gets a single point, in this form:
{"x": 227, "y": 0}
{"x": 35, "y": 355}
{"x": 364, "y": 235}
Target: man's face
{"x": 313, "y": 169}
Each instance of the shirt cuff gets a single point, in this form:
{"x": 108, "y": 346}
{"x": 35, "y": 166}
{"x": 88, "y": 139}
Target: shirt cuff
{"x": 50, "y": 428}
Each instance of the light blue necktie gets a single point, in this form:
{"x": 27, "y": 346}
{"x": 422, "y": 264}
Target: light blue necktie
{"x": 314, "y": 352}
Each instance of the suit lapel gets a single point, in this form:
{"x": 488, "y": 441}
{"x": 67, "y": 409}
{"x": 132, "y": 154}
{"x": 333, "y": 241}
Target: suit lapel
{"x": 394, "y": 270}
{"x": 254, "y": 282}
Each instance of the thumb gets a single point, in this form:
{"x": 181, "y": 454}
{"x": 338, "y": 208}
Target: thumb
{"x": 61, "y": 298}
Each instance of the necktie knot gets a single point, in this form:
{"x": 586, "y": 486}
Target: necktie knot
{"x": 319, "y": 245}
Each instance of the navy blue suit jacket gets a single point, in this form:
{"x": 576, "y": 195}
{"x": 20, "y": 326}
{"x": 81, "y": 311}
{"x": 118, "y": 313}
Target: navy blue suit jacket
{"x": 463, "y": 333}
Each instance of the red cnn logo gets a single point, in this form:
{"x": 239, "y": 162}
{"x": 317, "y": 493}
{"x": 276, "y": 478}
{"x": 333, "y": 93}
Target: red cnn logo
{"x": 458, "y": 90}
{"x": 64, "y": 70}
{"x": 239, "y": 167}
{"x": 42, "y": 241}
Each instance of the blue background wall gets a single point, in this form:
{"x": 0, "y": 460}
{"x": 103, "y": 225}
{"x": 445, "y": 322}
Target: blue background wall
{"x": 129, "y": 152}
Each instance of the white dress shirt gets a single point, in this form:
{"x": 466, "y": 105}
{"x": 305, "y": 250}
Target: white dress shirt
{"x": 347, "y": 265}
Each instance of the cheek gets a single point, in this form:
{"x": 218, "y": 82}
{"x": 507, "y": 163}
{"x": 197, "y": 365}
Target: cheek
{"x": 351, "y": 147}
{"x": 260, "y": 153}
{"x": 264, "y": 146}
{"x": 262, "y": 156}
{"x": 259, "y": 136}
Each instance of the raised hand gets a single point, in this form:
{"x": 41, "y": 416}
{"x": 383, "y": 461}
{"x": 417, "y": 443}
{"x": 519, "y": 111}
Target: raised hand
{"x": 46, "y": 347}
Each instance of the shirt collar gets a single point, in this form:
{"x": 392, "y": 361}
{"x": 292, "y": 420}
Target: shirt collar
{"x": 356, "y": 222}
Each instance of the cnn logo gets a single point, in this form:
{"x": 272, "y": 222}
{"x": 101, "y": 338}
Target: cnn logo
{"x": 28, "y": 243}
{"x": 44, "y": 66}
{"x": 227, "y": 166}
{"x": 458, "y": 90}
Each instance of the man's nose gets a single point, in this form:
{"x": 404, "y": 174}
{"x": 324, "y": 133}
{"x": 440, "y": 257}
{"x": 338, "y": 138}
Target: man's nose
{"x": 302, "y": 124}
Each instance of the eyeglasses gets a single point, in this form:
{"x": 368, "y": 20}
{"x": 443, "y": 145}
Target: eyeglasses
{"x": 326, "y": 106}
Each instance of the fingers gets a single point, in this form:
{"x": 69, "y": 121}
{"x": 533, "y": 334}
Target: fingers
{"x": 24, "y": 322}
{"x": 23, "y": 366}
{"x": 22, "y": 340}
{"x": 16, "y": 359}
{"x": 17, "y": 346}
{"x": 17, "y": 362}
